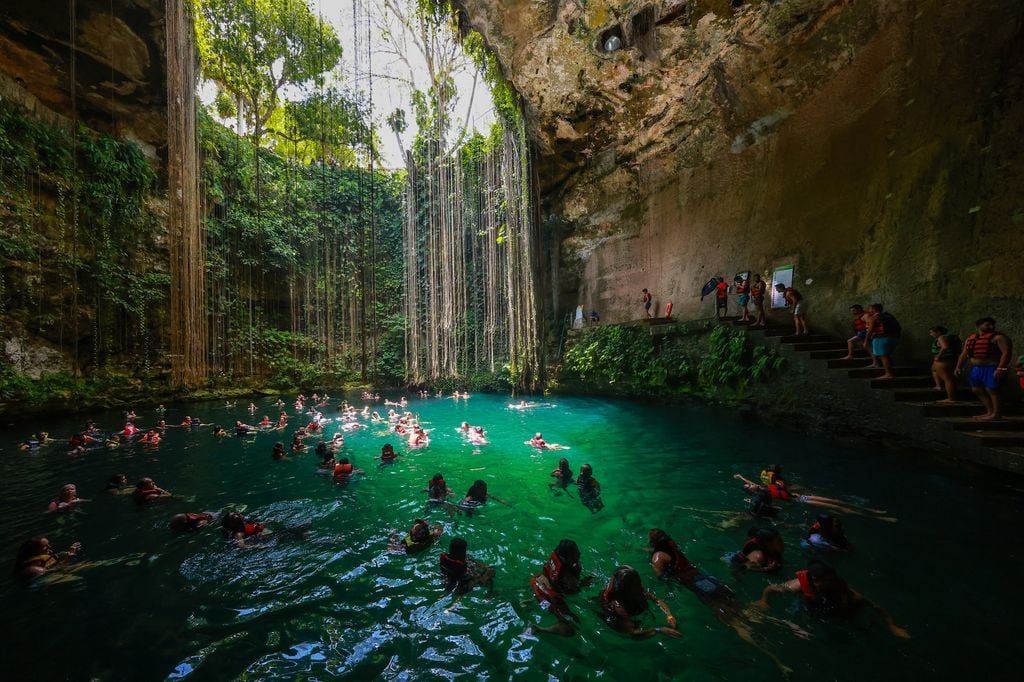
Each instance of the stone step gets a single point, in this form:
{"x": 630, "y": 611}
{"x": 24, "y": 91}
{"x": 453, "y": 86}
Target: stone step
{"x": 809, "y": 338}
{"x": 917, "y": 381}
{"x": 873, "y": 372}
{"x": 998, "y": 438}
{"x": 818, "y": 345}
{"x": 961, "y": 408}
{"x": 840, "y": 363}
{"x": 778, "y": 331}
{"x": 1004, "y": 424}
{"x": 927, "y": 395}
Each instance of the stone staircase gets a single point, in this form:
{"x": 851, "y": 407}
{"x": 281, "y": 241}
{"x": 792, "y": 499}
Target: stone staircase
{"x": 999, "y": 444}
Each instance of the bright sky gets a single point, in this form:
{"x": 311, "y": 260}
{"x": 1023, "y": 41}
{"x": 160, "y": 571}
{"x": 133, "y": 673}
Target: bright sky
{"x": 390, "y": 74}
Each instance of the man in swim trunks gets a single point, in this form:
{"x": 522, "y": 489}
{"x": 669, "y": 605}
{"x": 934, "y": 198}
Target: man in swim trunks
{"x": 989, "y": 352}
{"x": 881, "y": 339}
{"x": 795, "y": 301}
{"x": 860, "y": 330}
{"x": 646, "y": 300}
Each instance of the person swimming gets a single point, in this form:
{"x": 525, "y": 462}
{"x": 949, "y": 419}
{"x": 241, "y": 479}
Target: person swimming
{"x": 562, "y": 575}
{"x": 827, "y": 533}
{"x": 67, "y": 500}
{"x": 36, "y": 557}
{"x": 146, "y": 491}
{"x": 624, "y": 600}
{"x": 477, "y": 496}
{"x": 668, "y": 561}
{"x": 780, "y": 491}
{"x": 824, "y": 593}
{"x": 297, "y": 444}
{"x": 243, "y": 430}
{"x": 762, "y": 551}
{"x": 538, "y": 441}
{"x": 117, "y": 484}
{"x": 278, "y": 452}
{"x": 240, "y": 529}
{"x": 219, "y": 430}
{"x": 190, "y": 521}
{"x": 437, "y": 490}
{"x": 387, "y": 453}
{"x": 589, "y": 489}
{"x": 562, "y": 475}
{"x": 344, "y": 471}
{"x": 461, "y": 573}
{"x": 421, "y": 536}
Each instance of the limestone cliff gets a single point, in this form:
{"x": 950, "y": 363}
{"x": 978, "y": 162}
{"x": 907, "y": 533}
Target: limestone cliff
{"x": 874, "y": 145}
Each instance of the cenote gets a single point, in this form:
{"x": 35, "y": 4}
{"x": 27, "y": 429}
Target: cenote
{"x": 148, "y": 604}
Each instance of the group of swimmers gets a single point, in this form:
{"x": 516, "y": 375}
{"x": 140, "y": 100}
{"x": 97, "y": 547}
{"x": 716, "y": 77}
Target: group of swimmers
{"x": 623, "y": 601}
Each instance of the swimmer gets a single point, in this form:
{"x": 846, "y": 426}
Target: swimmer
{"x": 322, "y": 450}
{"x": 625, "y": 599}
{"x": 297, "y": 444}
{"x": 28, "y": 444}
{"x": 146, "y": 491}
{"x": 779, "y": 491}
{"x": 162, "y": 424}
{"x": 279, "y": 403}
{"x": 230, "y": 404}
{"x": 824, "y": 593}
{"x": 477, "y": 437}
{"x": 462, "y": 573}
{"x": 437, "y": 490}
{"x": 278, "y": 452}
{"x": 66, "y": 500}
{"x": 186, "y": 422}
{"x": 118, "y": 485}
{"x": 243, "y": 430}
{"x": 337, "y": 442}
{"x": 562, "y": 475}
{"x": 669, "y": 562}
{"x": 387, "y": 453}
{"x": 538, "y": 441}
{"x": 151, "y": 437}
{"x": 477, "y": 496}
{"x": 36, "y": 557}
{"x": 252, "y": 408}
{"x": 238, "y": 528}
{"x": 562, "y": 575}
{"x": 190, "y": 521}
{"x": 589, "y": 489}
{"x": 421, "y": 536}
{"x": 130, "y": 429}
{"x": 161, "y": 409}
{"x": 112, "y": 441}
{"x": 344, "y": 471}
{"x": 418, "y": 438}
{"x": 129, "y": 415}
{"x": 265, "y": 422}
{"x": 827, "y": 533}
{"x": 465, "y": 427}
{"x": 219, "y": 430}
{"x": 762, "y": 551}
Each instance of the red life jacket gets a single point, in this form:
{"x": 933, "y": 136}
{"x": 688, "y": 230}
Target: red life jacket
{"x": 342, "y": 469}
{"x": 754, "y": 545}
{"x": 778, "y": 492}
{"x": 742, "y": 288}
{"x": 437, "y": 489}
{"x": 253, "y": 529}
{"x": 859, "y": 325}
{"x": 723, "y": 290}
{"x": 806, "y": 589}
{"x": 681, "y": 566}
{"x": 982, "y": 345}
{"x": 142, "y": 495}
{"x": 553, "y": 568}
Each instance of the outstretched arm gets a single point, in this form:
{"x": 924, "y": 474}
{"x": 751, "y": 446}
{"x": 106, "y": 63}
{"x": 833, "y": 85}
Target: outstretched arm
{"x": 739, "y": 477}
{"x": 893, "y": 628}
{"x": 788, "y": 586}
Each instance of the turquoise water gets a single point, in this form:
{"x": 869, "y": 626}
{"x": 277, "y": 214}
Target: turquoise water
{"x": 149, "y": 605}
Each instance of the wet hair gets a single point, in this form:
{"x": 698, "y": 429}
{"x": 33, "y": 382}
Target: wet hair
{"x": 387, "y": 447}
{"x": 179, "y": 522}
{"x": 983, "y": 320}
{"x": 857, "y": 306}
{"x": 146, "y": 483}
{"x": 940, "y": 329}
{"x": 420, "y": 530}
{"x": 763, "y": 535}
{"x": 233, "y": 521}
{"x": 478, "y": 491}
{"x": 563, "y": 465}
{"x": 819, "y": 570}
{"x": 117, "y": 480}
{"x": 437, "y": 477}
{"x": 457, "y": 548}
{"x": 628, "y": 590}
{"x": 344, "y": 460}
{"x": 586, "y": 471}
{"x": 569, "y": 551}
{"x": 660, "y": 541}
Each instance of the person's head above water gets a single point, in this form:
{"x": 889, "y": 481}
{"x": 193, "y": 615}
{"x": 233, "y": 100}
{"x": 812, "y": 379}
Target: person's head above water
{"x": 117, "y": 481}
{"x": 478, "y": 491}
{"x": 586, "y": 471}
{"x": 568, "y": 551}
{"x": 146, "y": 483}
{"x": 457, "y": 548}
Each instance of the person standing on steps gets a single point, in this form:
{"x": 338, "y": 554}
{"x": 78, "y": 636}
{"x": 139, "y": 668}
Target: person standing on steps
{"x": 860, "y": 330}
{"x": 795, "y": 301}
{"x": 743, "y": 298}
{"x": 646, "y": 300}
{"x": 989, "y": 352}
{"x": 945, "y": 351}
{"x": 882, "y": 337}
{"x": 721, "y": 298}
{"x": 757, "y": 289}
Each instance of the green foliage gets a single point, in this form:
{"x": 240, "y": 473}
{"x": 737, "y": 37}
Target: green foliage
{"x": 256, "y": 48}
{"x": 506, "y": 99}
{"x": 626, "y": 359}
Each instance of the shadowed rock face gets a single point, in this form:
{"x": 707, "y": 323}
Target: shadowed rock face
{"x": 874, "y": 145}
{"x": 118, "y": 61}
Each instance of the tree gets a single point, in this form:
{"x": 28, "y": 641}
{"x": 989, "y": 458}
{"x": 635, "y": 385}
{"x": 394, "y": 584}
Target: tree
{"x": 253, "y": 49}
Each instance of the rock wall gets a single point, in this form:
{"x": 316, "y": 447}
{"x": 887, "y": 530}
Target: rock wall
{"x": 874, "y": 145}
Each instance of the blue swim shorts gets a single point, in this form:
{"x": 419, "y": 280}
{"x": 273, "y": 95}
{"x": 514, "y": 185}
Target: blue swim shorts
{"x": 883, "y": 345}
{"x": 984, "y": 376}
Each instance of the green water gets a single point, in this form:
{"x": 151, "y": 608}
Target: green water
{"x": 195, "y": 607}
